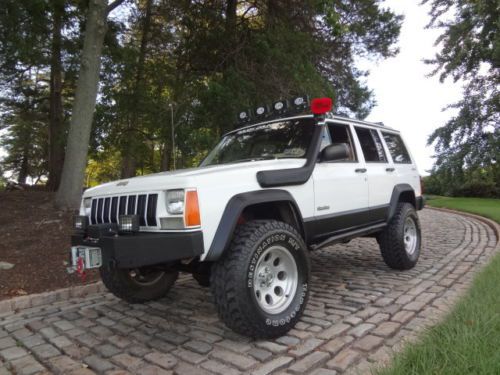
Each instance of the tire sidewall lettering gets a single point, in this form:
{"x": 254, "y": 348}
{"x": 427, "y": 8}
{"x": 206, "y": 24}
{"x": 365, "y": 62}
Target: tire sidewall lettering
{"x": 293, "y": 312}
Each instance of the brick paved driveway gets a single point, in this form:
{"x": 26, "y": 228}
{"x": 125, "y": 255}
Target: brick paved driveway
{"x": 359, "y": 312}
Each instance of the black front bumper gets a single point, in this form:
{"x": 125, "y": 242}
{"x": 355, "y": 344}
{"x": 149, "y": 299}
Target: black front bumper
{"x": 143, "y": 249}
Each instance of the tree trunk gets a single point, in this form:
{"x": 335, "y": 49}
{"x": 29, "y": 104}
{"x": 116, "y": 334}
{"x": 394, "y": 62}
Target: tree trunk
{"x": 231, "y": 8}
{"x": 273, "y": 13}
{"x": 23, "y": 172}
{"x": 70, "y": 190}
{"x": 129, "y": 152}
{"x": 165, "y": 158}
{"x": 129, "y": 165}
{"x": 56, "y": 125}
{"x": 231, "y": 34}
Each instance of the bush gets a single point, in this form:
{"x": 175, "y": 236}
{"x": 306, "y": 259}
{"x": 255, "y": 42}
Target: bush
{"x": 432, "y": 185}
{"x": 480, "y": 182}
{"x": 480, "y": 189}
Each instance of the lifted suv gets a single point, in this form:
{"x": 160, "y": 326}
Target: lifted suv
{"x": 243, "y": 222}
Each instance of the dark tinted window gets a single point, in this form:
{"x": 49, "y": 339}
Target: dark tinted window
{"x": 397, "y": 148}
{"x": 342, "y": 134}
{"x": 371, "y": 145}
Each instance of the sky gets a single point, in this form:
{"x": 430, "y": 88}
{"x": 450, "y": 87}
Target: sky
{"x": 406, "y": 98}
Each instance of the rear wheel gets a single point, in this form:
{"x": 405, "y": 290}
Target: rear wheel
{"x": 401, "y": 239}
{"x": 261, "y": 283}
{"x": 140, "y": 284}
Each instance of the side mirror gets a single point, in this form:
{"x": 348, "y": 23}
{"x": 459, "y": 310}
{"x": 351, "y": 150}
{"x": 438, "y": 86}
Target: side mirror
{"x": 335, "y": 151}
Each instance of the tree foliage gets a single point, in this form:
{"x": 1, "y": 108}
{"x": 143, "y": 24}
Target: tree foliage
{"x": 199, "y": 62}
{"x": 25, "y": 118}
{"x": 211, "y": 59}
{"x": 39, "y": 41}
{"x": 468, "y": 145}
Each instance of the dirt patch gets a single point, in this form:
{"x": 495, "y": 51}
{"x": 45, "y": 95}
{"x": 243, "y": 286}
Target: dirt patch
{"x": 36, "y": 240}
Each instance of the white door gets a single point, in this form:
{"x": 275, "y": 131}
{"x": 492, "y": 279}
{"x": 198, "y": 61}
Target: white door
{"x": 381, "y": 174}
{"x": 405, "y": 170}
{"x": 340, "y": 187}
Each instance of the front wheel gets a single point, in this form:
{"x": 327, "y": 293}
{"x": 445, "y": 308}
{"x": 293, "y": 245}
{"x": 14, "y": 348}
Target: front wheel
{"x": 261, "y": 284}
{"x": 138, "y": 285}
{"x": 400, "y": 241}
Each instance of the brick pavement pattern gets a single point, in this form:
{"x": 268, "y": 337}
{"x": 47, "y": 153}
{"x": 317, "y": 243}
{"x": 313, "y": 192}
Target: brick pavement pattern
{"x": 360, "y": 313}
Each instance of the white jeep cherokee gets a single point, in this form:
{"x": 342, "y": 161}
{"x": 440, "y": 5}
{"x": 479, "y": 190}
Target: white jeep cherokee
{"x": 243, "y": 222}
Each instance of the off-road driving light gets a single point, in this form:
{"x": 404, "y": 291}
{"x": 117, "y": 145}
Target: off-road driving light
{"x": 80, "y": 223}
{"x": 192, "y": 215}
{"x": 280, "y": 106}
{"x": 320, "y": 106}
{"x": 243, "y": 116}
{"x": 301, "y": 102}
{"x": 261, "y": 111}
{"x": 128, "y": 223}
{"x": 175, "y": 202}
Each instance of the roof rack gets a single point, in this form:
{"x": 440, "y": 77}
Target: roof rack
{"x": 289, "y": 109}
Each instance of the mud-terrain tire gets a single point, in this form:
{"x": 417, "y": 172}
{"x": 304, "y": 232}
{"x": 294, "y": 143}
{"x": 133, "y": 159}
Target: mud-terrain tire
{"x": 401, "y": 239}
{"x": 152, "y": 286}
{"x": 261, "y": 283}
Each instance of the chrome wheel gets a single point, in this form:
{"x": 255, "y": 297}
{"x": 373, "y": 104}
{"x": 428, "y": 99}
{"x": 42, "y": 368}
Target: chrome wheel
{"x": 275, "y": 280}
{"x": 410, "y": 235}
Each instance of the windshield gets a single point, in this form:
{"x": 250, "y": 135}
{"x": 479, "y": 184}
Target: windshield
{"x": 277, "y": 140}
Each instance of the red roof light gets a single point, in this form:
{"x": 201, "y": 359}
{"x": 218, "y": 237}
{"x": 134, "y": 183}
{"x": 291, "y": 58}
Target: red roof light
{"x": 320, "y": 106}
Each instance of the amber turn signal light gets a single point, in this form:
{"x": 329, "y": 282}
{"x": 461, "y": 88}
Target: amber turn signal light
{"x": 192, "y": 210}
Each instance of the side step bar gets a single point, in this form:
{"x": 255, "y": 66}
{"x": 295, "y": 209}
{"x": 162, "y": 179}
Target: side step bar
{"x": 349, "y": 235}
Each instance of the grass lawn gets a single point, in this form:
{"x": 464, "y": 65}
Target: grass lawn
{"x": 468, "y": 340}
{"x": 489, "y": 208}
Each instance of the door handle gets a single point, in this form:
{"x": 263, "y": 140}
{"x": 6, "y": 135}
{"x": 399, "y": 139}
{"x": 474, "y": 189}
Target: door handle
{"x": 360, "y": 170}
{"x": 390, "y": 169}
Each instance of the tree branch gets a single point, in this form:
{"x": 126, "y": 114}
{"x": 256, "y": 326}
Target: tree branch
{"x": 113, "y": 5}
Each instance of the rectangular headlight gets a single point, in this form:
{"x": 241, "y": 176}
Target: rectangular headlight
{"x": 87, "y": 202}
{"x": 175, "y": 202}
{"x": 128, "y": 223}
{"x": 87, "y": 205}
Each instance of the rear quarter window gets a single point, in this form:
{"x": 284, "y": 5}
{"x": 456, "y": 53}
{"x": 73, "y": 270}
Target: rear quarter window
{"x": 397, "y": 148}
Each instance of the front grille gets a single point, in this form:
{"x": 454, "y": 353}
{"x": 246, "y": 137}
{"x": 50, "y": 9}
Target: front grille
{"x": 108, "y": 210}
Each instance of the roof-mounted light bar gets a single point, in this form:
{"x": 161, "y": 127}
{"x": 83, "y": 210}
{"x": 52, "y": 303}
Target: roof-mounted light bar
{"x": 279, "y": 108}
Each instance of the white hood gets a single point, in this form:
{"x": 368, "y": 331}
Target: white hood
{"x": 192, "y": 177}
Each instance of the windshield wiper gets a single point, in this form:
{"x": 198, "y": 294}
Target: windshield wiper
{"x": 257, "y": 158}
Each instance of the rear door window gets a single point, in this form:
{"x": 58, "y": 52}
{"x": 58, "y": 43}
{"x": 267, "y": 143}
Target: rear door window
{"x": 397, "y": 148}
{"x": 371, "y": 144}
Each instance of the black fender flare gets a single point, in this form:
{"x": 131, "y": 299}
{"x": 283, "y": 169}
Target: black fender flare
{"x": 233, "y": 211}
{"x": 395, "y": 197}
